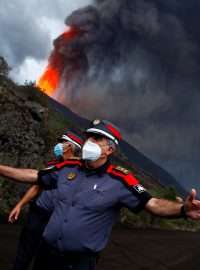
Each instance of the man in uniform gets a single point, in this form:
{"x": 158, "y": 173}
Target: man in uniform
{"x": 40, "y": 210}
{"x": 90, "y": 193}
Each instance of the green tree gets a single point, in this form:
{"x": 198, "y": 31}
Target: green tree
{"x": 4, "y": 67}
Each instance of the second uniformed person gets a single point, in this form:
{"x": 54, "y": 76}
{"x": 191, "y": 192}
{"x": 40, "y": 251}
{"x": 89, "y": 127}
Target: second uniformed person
{"x": 40, "y": 209}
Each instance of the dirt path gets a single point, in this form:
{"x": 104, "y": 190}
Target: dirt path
{"x": 127, "y": 249}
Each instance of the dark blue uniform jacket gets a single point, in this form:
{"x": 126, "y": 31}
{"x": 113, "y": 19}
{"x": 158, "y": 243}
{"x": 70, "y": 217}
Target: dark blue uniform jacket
{"x": 87, "y": 204}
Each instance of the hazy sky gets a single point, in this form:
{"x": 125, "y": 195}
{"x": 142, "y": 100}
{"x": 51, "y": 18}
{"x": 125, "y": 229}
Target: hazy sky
{"x": 139, "y": 66}
{"x": 27, "y": 31}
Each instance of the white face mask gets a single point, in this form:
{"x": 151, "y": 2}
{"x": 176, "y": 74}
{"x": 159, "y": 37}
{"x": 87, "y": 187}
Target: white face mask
{"x": 91, "y": 151}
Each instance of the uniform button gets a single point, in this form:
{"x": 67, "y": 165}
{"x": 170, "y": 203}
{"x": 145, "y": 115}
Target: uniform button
{"x": 72, "y": 204}
{"x": 65, "y": 221}
{"x": 60, "y": 238}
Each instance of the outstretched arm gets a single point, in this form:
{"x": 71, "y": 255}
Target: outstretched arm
{"x": 30, "y": 194}
{"x": 20, "y": 175}
{"x": 165, "y": 208}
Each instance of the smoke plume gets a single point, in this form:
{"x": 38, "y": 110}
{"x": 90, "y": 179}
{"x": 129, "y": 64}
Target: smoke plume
{"x": 136, "y": 63}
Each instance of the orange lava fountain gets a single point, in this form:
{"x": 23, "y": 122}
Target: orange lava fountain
{"x": 48, "y": 82}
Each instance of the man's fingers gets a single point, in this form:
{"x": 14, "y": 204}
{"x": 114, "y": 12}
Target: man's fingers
{"x": 192, "y": 195}
{"x": 10, "y": 217}
{"x": 13, "y": 216}
{"x": 194, "y": 202}
{"x": 17, "y": 214}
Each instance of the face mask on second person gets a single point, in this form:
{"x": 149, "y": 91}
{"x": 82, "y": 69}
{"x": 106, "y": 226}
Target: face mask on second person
{"x": 91, "y": 151}
{"x": 58, "y": 149}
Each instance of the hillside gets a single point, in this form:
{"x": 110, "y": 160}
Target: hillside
{"x": 29, "y": 128}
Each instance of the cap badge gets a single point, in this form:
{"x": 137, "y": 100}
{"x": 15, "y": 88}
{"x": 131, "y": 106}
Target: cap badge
{"x": 96, "y": 122}
{"x": 71, "y": 176}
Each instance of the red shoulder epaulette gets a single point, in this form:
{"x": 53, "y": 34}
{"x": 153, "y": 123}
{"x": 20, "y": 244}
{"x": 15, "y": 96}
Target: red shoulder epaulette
{"x": 123, "y": 174}
{"x": 70, "y": 162}
{"x": 52, "y": 162}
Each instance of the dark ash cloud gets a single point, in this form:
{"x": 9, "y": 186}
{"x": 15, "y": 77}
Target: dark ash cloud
{"x": 136, "y": 63}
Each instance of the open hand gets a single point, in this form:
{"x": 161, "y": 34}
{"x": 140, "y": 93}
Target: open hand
{"x": 192, "y": 206}
{"x": 14, "y": 214}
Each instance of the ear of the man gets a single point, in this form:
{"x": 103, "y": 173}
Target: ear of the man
{"x": 111, "y": 149}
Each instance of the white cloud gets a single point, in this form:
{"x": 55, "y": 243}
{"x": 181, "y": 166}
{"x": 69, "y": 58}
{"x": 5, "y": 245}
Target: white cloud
{"x": 53, "y": 26}
{"x": 30, "y": 70}
{"x": 28, "y": 30}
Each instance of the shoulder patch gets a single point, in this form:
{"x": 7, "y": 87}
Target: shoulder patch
{"x": 121, "y": 169}
{"x": 139, "y": 188}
